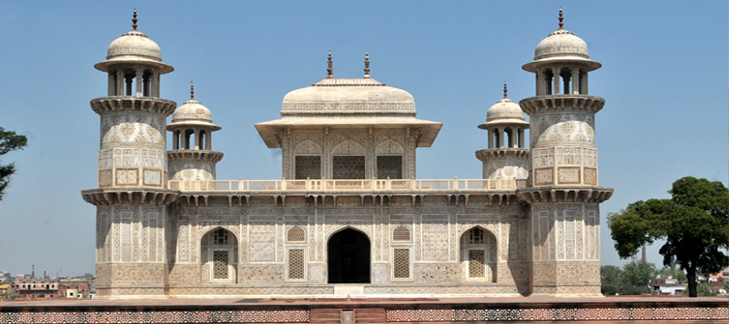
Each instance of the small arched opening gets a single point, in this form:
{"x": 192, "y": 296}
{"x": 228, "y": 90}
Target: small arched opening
{"x": 348, "y": 257}
{"x": 566, "y": 75}
{"x": 548, "y": 76}
{"x": 189, "y": 139}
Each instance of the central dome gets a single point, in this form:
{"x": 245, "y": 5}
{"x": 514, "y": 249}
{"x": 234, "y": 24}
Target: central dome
{"x": 348, "y": 96}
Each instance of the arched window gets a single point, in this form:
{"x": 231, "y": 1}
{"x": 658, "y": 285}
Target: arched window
{"x": 296, "y": 234}
{"x": 401, "y": 233}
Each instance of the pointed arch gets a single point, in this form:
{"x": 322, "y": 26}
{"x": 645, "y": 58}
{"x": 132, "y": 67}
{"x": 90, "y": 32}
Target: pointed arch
{"x": 478, "y": 254}
{"x": 296, "y": 234}
{"x": 219, "y": 255}
{"x": 348, "y": 256}
{"x": 307, "y": 147}
{"x": 349, "y": 147}
{"x": 389, "y": 147}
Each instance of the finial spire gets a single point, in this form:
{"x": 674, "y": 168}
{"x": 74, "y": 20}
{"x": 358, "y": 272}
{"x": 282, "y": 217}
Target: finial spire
{"x": 330, "y": 70}
{"x": 561, "y": 18}
{"x": 192, "y": 91}
{"x": 134, "y": 19}
{"x": 505, "y": 90}
{"x": 367, "y": 65}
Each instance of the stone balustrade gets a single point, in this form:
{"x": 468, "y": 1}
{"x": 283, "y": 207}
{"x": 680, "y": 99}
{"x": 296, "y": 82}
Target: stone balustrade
{"x": 348, "y": 185}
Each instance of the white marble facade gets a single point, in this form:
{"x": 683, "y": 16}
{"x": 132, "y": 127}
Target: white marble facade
{"x": 349, "y": 216}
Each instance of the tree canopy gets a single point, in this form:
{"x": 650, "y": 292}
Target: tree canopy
{"x": 694, "y": 223}
{"x": 9, "y": 141}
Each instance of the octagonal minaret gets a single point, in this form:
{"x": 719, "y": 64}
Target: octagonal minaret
{"x": 506, "y": 156}
{"x": 131, "y": 199}
{"x": 564, "y": 195}
{"x": 191, "y": 157}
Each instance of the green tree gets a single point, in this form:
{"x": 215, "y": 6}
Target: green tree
{"x": 694, "y": 223}
{"x": 635, "y": 277}
{"x": 9, "y": 141}
{"x": 703, "y": 289}
{"x": 610, "y": 279}
{"x": 672, "y": 271}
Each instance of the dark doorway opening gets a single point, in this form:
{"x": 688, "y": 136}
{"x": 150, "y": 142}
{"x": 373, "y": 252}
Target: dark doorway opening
{"x": 348, "y": 254}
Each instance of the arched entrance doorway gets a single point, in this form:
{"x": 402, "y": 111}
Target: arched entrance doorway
{"x": 348, "y": 257}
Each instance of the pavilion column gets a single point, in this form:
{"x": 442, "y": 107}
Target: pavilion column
{"x": 501, "y": 137}
{"x": 119, "y": 82}
{"x": 575, "y": 80}
{"x": 556, "y": 78}
{"x": 176, "y": 140}
{"x": 139, "y": 76}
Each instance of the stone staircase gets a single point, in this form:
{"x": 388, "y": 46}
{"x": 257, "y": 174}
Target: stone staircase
{"x": 356, "y": 316}
{"x": 369, "y": 316}
{"x": 325, "y": 316}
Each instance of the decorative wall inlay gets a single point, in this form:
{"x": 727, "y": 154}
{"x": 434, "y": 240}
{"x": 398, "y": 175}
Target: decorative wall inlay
{"x": 591, "y": 176}
{"x": 568, "y": 175}
{"x": 152, "y": 177}
{"x": 435, "y": 238}
{"x": 127, "y": 177}
{"x": 543, "y": 176}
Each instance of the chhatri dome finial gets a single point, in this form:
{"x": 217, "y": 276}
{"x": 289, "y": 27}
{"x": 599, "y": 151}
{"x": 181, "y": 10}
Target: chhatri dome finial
{"x": 192, "y": 91}
{"x": 367, "y": 65}
{"x": 330, "y": 70}
{"x": 505, "y": 90}
{"x": 134, "y": 19}
{"x": 561, "y": 18}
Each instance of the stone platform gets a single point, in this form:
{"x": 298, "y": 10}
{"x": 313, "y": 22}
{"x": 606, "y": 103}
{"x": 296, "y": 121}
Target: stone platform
{"x": 372, "y": 310}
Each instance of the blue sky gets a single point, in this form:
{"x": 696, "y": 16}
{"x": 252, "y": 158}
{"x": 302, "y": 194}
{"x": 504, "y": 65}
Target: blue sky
{"x": 664, "y": 78}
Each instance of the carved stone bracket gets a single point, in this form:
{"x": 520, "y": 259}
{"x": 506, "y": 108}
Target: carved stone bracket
{"x": 560, "y": 102}
{"x": 564, "y": 194}
{"x": 105, "y": 197}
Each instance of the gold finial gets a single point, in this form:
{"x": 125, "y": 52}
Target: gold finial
{"x": 330, "y": 70}
{"x": 505, "y": 90}
{"x": 192, "y": 91}
{"x": 367, "y": 65}
{"x": 134, "y": 19}
{"x": 561, "y": 18}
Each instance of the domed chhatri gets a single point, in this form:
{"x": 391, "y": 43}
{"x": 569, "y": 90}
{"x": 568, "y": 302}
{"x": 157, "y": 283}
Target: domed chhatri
{"x": 559, "y": 46}
{"x": 192, "y": 112}
{"x": 504, "y": 111}
{"x": 506, "y": 156}
{"x": 192, "y": 123}
{"x": 134, "y": 46}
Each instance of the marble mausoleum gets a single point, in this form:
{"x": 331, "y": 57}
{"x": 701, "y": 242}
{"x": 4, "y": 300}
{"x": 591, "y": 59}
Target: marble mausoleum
{"x": 348, "y": 216}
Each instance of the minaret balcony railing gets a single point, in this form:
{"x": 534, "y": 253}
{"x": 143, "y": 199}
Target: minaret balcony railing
{"x": 362, "y": 185}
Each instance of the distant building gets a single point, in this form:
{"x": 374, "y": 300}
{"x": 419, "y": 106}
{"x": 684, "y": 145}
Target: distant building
{"x": 37, "y": 287}
{"x": 667, "y": 286}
